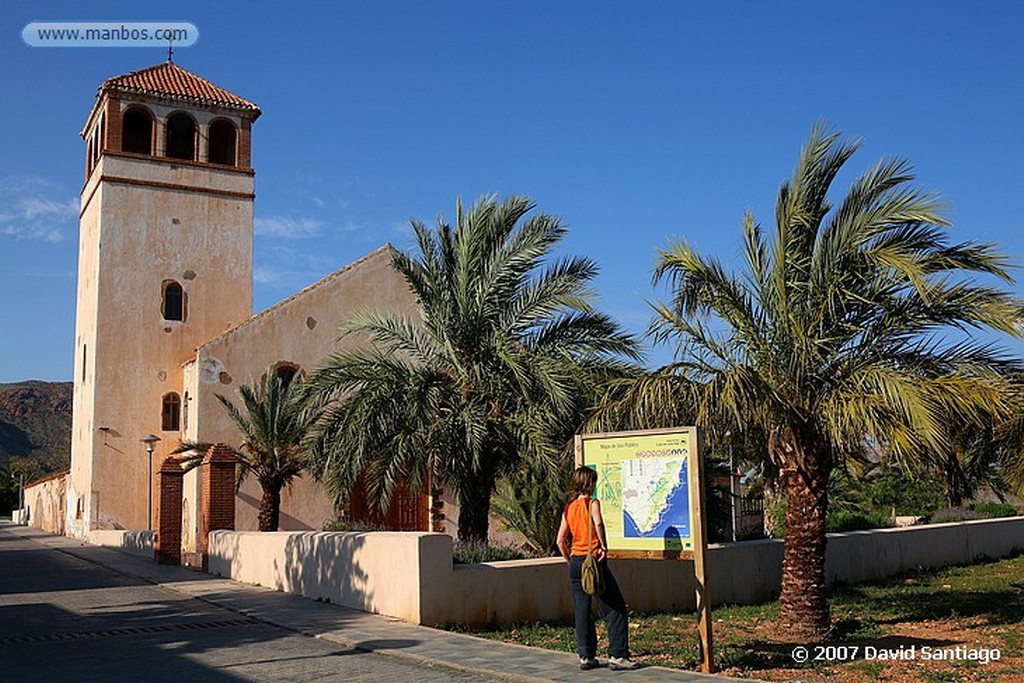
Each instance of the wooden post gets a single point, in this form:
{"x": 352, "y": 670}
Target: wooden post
{"x": 699, "y": 527}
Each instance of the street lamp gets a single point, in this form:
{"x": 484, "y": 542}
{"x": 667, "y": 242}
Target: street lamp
{"x": 149, "y": 441}
{"x": 734, "y": 489}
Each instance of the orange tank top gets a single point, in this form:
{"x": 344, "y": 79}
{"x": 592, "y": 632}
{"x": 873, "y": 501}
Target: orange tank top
{"x": 576, "y": 514}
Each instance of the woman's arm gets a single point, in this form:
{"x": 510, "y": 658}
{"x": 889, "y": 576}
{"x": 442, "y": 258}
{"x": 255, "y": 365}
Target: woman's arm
{"x": 563, "y": 536}
{"x": 595, "y": 514}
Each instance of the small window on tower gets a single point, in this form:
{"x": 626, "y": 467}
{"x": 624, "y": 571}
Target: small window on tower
{"x": 170, "y": 417}
{"x": 137, "y": 131}
{"x": 181, "y": 137}
{"x": 222, "y": 143}
{"x": 174, "y": 301}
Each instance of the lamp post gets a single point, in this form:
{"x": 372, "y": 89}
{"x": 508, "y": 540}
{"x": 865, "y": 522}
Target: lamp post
{"x": 149, "y": 440}
{"x": 734, "y": 493}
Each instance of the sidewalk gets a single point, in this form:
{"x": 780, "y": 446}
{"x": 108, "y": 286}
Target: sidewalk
{"x": 350, "y": 628}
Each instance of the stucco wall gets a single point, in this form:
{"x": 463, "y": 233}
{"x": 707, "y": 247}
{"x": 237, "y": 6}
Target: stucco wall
{"x": 45, "y": 502}
{"x": 410, "y": 576}
{"x": 134, "y": 542}
{"x": 374, "y": 572}
{"x": 145, "y": 221}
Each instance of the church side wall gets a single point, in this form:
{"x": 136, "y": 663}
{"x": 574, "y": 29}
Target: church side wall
{"x": 301, "y": 331}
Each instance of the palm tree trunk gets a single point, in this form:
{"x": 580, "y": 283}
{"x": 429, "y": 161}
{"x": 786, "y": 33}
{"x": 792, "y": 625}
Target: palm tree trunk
{"x": 270, "y": 507}
{"x": 955, "y": 478}
{"x": 474, "y": 511}
{"x": 804, "y": 611}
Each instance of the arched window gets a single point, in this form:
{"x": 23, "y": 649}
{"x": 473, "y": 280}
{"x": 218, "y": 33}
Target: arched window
{"x": 170, "y": 415}
{"x": 222, "y": 142}
{"x": 184, "y": 413}
{"x": 286, "y": 372}
{"x": 137, "y": 131}
{"x": 181, "y": 137}
{"x": 174, "y": 301}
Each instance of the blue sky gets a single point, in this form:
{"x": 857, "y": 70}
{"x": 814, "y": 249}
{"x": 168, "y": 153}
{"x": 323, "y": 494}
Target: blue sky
{"x": 636, "y": 122}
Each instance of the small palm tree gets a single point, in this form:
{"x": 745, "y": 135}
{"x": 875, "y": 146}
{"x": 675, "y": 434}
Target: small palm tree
{"x": 833, "y": 335}
{"x": 489, "y": 374}
{"x": 273, "y": 421}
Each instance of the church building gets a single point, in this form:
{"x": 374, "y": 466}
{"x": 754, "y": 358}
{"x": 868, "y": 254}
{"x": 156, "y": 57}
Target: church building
{"x": 164, "y": 306}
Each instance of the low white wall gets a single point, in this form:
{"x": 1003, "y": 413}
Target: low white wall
{"x": 391, "y": 573}
{"x": 857, "y": 556}
{"x": 134, "y": 542}
{"x": 411, "y": 576}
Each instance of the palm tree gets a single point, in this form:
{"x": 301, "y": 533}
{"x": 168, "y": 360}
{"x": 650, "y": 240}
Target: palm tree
{"x": 488, "y": 373}
{"x": 272, "y": 422}
{"x": 530, "y": 502}
{"x": 973, "y": 459}
{"x": 834, "y": 333}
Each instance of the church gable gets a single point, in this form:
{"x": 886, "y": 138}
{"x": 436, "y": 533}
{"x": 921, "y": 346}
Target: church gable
{"x": 297, "y": 334}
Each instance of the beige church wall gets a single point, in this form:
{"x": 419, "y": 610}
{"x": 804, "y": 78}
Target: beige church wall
{"x": 148, "y": 234}
{"x": 301, "y": 330}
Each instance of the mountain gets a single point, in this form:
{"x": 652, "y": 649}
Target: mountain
{"x": 35, "y": 425}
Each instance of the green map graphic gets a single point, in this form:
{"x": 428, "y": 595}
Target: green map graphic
{"x": 642, "y": 483}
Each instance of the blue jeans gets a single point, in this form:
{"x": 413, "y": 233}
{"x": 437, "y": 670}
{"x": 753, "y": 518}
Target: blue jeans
{"x": 613, "y": 611}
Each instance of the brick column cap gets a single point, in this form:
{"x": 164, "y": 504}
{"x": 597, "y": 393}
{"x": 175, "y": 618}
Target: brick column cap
{"x": 220, "y": 453}
{"x": 171, "y": 465}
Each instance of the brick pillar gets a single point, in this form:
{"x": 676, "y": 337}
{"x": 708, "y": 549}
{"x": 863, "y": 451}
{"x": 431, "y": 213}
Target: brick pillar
{"x": 167, "y": 546}
{"x": 218, "y": 495}
{"x": 112, "y": 143}
{"x": 244, "y": 144}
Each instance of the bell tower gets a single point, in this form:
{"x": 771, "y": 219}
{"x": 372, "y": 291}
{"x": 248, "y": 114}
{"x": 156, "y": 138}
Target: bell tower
{"x": 164, "y": 265}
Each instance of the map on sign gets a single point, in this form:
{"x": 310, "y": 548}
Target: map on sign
{"x": 643, "y": 486}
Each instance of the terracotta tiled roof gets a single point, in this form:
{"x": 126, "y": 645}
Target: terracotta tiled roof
{"x": 170, "y": 80}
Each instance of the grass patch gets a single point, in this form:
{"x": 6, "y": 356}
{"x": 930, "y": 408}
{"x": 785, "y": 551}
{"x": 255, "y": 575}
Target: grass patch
{"x": 986, "y": 599}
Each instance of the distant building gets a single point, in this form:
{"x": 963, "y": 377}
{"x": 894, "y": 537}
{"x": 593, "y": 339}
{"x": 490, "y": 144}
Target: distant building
{"x": 164, "y": 316}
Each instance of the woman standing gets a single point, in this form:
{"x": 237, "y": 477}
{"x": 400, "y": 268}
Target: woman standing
{"x": 581, "y": 512}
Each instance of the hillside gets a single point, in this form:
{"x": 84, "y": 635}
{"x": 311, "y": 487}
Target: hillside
{"x": 35, "y": 424}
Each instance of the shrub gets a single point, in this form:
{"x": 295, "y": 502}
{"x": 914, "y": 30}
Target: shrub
{"x": 956, "y": 515}
{"x": 855, "y": 521}
{"x": 475, "y": 553}
{"x": 995, "y": 509}
{"x": 909, "y": 495}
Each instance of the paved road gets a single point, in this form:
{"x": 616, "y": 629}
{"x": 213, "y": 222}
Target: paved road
{"x": 65, "y": 618}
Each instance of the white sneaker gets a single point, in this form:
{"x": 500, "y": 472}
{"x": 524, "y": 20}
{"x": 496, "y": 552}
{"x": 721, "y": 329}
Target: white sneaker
{"x": 588, "y": 663}
{"x": 621, "y": 664}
